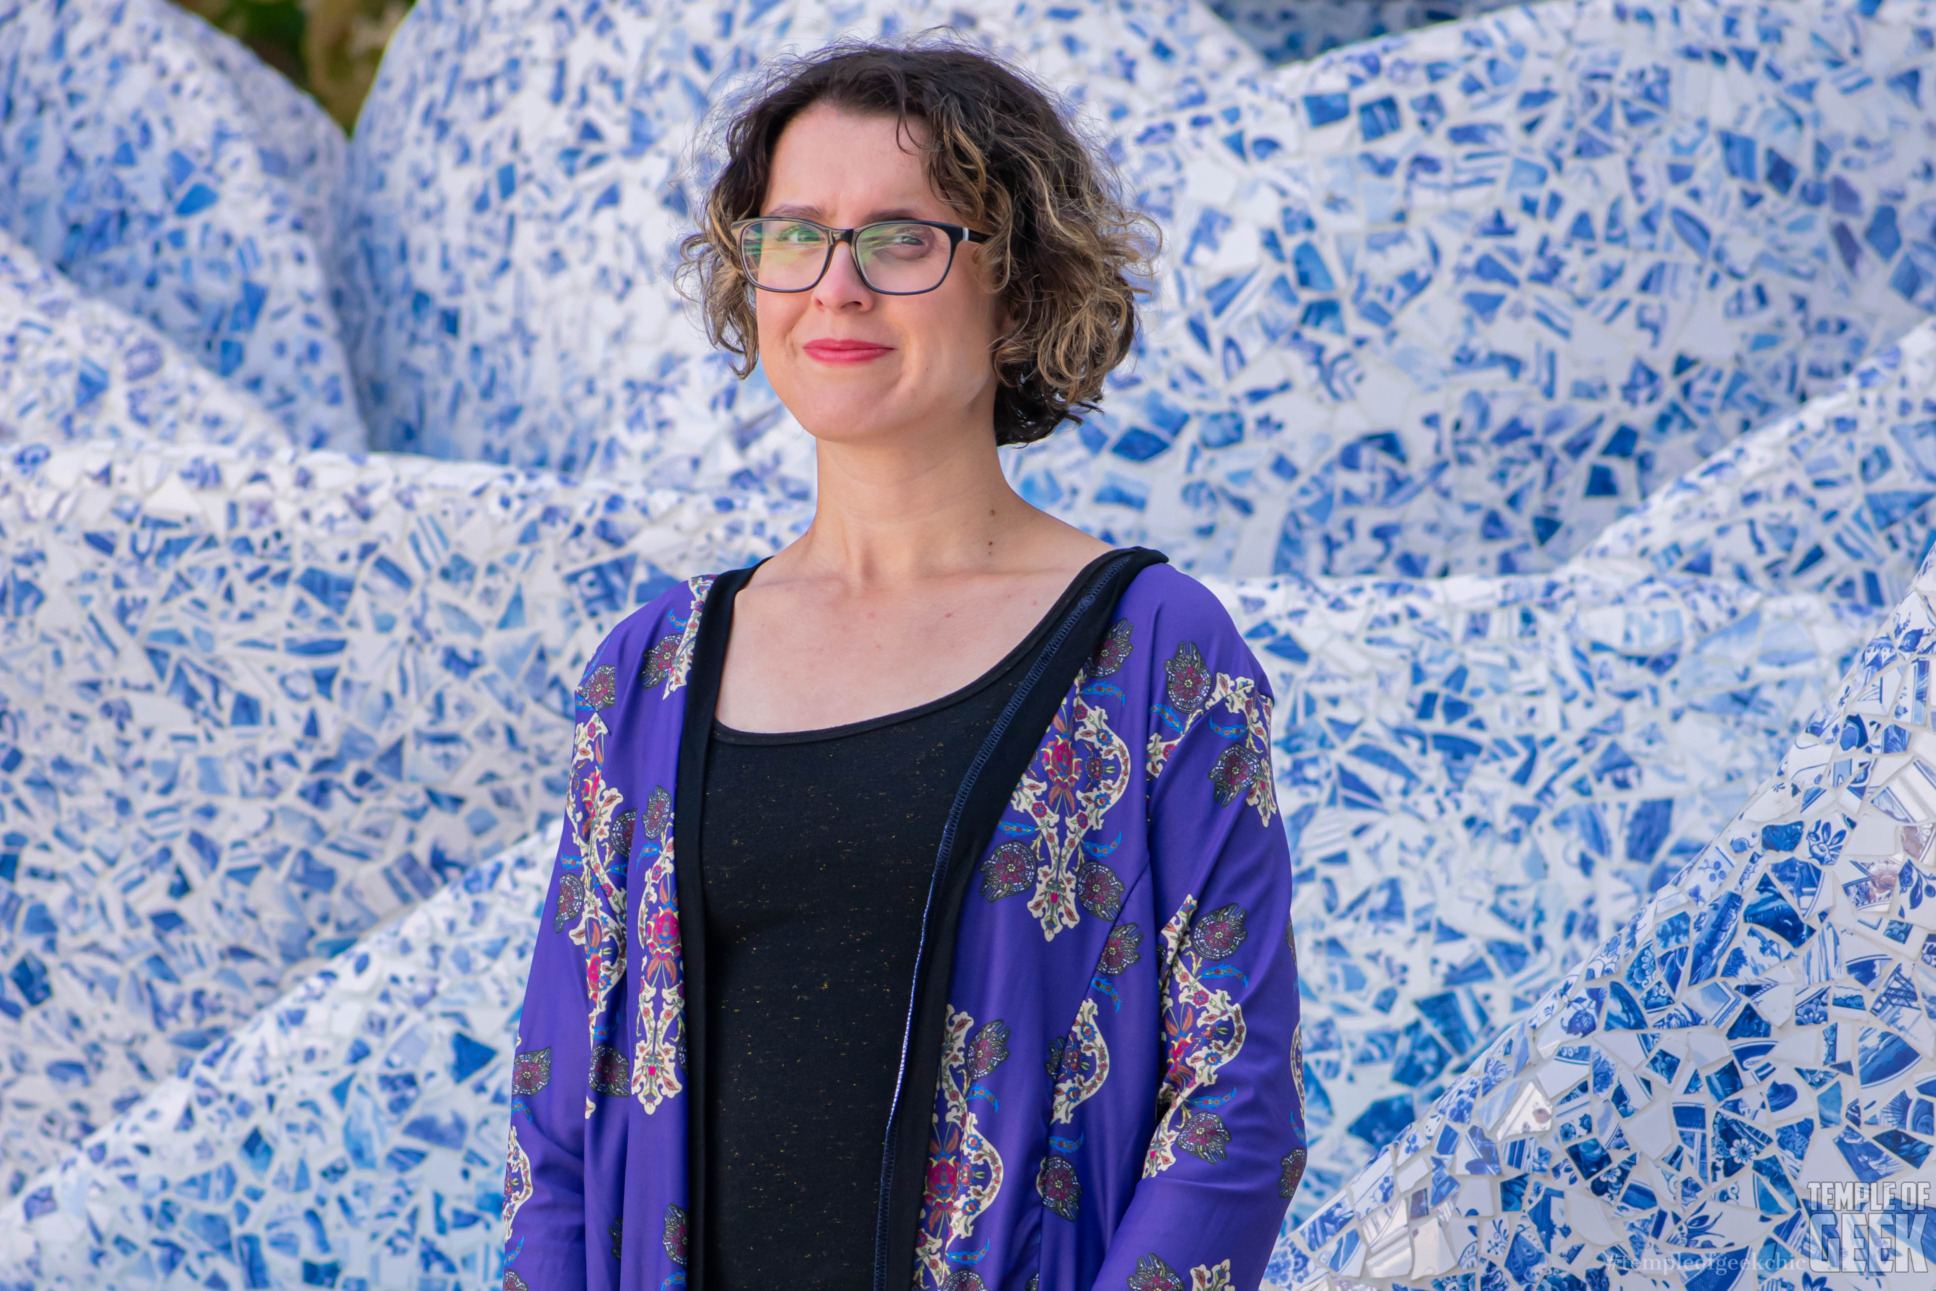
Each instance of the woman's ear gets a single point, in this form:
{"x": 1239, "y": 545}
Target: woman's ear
{"x": 1007, "y": 320}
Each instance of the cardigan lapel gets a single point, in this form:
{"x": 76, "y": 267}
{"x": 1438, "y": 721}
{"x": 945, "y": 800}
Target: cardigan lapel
{"x": 1003, "y": 758}
{"x": 695, "y": 735}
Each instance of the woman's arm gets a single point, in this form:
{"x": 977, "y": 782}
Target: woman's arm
{"x": 544, "y": 1178}
{"x": 1228, "y": 1149}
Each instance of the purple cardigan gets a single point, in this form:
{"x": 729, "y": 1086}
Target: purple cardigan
{"x": 1101, "y": 1082}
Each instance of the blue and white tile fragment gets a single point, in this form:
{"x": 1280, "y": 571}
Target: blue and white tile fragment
{"x": 134, "y": 163}
{"x": 1679, "y": 1109}
{"x": 298, "y": 142}
{"x": 1642, "y": 687}
{"x": 1287, "y": 31}
{"x": 515, "y": 200}
{"x": 253, "y": 704}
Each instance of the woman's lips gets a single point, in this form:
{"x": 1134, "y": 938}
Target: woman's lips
{"x": 845, "y": 351}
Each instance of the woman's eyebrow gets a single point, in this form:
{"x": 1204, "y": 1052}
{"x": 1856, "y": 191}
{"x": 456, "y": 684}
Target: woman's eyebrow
{"x": 808, "y": 211}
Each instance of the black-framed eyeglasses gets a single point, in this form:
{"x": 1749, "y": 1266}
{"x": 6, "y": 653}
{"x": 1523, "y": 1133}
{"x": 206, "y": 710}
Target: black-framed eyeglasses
{"x": 893, "y": 257}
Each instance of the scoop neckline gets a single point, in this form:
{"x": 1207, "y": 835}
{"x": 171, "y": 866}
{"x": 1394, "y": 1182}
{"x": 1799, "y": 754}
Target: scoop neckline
{"x": 733, "y": 735}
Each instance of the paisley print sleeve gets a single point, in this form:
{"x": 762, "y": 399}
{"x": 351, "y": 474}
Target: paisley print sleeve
{"x": 1228, "y": 1144}
{"x": 601, "y": 1036}
{"x": 554, "y": 1068}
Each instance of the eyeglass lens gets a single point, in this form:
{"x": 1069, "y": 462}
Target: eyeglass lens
{"x": 790, "y": 255}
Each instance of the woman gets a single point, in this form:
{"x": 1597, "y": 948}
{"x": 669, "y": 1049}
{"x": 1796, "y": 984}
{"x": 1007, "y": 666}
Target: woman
{"x": 974, "y": 969}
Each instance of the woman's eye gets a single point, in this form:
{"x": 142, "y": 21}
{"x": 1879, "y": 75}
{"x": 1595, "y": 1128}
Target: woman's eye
{"x": 900, "y": 241}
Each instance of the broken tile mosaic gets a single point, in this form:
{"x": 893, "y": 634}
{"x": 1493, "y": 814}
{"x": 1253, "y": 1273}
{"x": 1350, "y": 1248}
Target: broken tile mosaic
{"x": 138, "y": 163}
{"x": 1757, "y": 1033}
{"x": 1456, "y": 301}
{"x": 1285, "y": 31}
{"x": 1474, "y": 384}
{"x": 75, "y": 368}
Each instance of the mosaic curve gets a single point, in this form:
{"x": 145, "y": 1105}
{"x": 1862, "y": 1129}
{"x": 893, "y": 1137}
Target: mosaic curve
{"x": 1625, "y": 289}
{"x": 1820, "y": 612}
{"x": 1285, "y": 31}
{"x": 298, "y": 141}
{"x": 514, "y": 200}
{"x": 1483, "y": 776}
{"x": 1700, "y": 1101}
{"x": 1455, "y": 301}
{"x": 75, "y": 368}
{"x": 252, "y": 705}
{"x": 1572, "y": 679}
{"x": 130, "y": 161}
{"x": 350, "y": 1136}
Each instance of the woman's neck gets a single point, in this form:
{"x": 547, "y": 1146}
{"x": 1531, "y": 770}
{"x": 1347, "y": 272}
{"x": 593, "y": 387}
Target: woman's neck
{"x": 890, "y": 514}
{"x": 920, "y": 571}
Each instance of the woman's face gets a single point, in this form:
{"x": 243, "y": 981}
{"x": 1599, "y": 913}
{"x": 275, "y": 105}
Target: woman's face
{"x": 853, "y": 366}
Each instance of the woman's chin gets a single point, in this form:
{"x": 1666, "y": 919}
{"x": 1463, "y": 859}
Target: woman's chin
{"x": 852, "y": 421}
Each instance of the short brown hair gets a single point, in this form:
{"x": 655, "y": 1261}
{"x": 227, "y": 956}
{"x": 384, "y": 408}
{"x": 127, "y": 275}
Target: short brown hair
{"x": 1066, "y": 249}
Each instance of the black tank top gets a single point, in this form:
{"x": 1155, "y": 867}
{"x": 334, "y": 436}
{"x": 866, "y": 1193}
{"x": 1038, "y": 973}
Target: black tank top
{"x": 816, "y": 851}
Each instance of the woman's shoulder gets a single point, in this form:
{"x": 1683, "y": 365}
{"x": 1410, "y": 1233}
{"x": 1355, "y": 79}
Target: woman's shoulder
{"x": 1172, "y": 613}
{"x": 1169, "y": 601}
{"x": 672, "y": 609}
{"x": 660, "y": 634}
{"x": 1163, "y": 587}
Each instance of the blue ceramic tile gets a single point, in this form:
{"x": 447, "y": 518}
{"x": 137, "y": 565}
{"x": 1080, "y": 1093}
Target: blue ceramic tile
{"x": 1474, "y": 384}
{"x": 73, "y": 368}
{"x": 136, "y": 160}
{"x": 1286, "y": 31}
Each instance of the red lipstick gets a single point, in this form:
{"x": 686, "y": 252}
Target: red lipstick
{"x": 845, "y": 352}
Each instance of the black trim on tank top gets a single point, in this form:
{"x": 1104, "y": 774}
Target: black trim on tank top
{"x": 1043, "y": 626}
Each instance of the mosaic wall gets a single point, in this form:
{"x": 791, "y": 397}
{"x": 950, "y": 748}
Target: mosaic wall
{"x": 75, "y": 368}
{"x": 1674, "y": 1106}
{"x": 1288, "y": 30}
{"x": 519, "y": 187}
{"x": 1570, "y": 602}
{"x": 1456, "y": 302}
{"x": 1486, "y": 776}
{"x": 1445, "y": 303}
{"x": 157, "y": 165}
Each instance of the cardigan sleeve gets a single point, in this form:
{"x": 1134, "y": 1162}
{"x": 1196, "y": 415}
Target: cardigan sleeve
{"x": 1229, "y": 1145}
{"x": 544, "y": 1176}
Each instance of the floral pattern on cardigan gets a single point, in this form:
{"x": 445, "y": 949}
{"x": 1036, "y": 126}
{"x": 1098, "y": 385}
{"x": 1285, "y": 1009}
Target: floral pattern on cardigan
{"x": 1119, "y": 1096}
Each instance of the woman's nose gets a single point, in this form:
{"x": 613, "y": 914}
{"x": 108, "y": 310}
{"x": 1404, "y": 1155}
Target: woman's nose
{"x": 841, "y": 285}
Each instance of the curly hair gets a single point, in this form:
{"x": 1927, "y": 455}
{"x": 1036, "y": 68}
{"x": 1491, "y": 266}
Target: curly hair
{"x": 1066, "y": 253}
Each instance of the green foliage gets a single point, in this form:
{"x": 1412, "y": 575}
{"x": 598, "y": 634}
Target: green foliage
{"x": 330, "y": 48}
